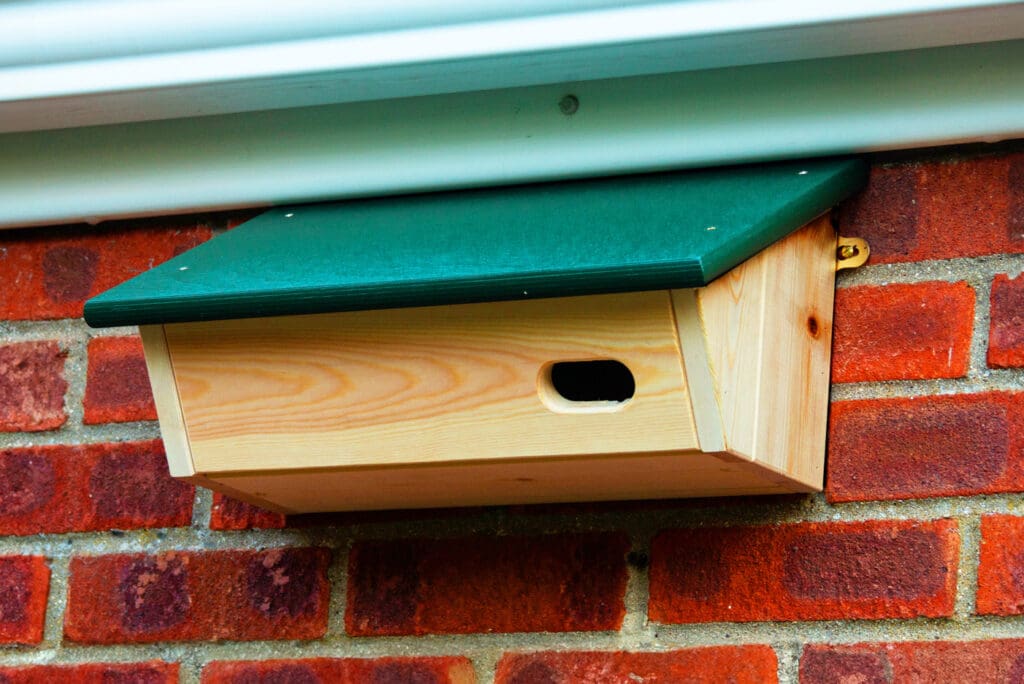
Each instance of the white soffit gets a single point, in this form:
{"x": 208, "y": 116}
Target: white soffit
{"x": 114, "y": 108}
{"x": 85, "y": 62}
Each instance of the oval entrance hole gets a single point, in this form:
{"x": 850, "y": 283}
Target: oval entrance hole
{"x": 605, "y": 380}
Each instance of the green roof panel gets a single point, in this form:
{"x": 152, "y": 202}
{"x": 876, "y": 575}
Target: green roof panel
{"x": 639, "y": 232}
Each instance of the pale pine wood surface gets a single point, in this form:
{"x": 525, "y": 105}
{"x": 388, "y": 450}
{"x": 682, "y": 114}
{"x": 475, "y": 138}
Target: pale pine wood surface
{"x": 425, "y": 385}
{"x": 439, "y": 406}
{"x": 165, "y": 396}
{"x": 700, "y": 381}
{"x": 768, "y": 328}
{"x": 545, "y": 480}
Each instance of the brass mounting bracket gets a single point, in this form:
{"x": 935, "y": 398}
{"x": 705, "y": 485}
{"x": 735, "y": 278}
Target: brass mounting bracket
{"x": 851, "y": 252}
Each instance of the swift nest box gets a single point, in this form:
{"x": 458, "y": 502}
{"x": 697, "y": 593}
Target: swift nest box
{"x": 648, "y": 336}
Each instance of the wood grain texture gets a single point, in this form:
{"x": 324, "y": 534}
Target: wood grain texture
{"x": 447, "y": 406}
{"x": 542, "y": 480}
{"x": 700, "y": 381}
{"x": 423, "y": 385}
{"x": 165, "y": 396}
{"x": 768, "y": 326}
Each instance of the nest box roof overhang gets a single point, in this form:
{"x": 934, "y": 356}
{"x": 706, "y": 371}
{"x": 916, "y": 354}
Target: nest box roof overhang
{"x": 647, "y": 231}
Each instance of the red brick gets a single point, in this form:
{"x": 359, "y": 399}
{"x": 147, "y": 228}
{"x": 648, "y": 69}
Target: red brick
{"x": 885, "y": 213}
{"x": 1001, "y": 566}
{"x": 435, "y": 670}
{"x": 558, "y": 583}
{"x": 948, "y": 445}
{"x": 940, "y": 210}
{"x": 943, "y": 661}
{"x": 190, "y": 596}
{"x": 55, "y": 270}
{"x": 32, "y": 386}
{"x": 736, "y": 664}
{"x": 902, "y": 332}
{"x": 152, "y": 672}
{"x": 1006, "y": 328}
{"x": 24, "y": 587}
{"x": 117, "y": 384}
{"x": 232, "y": 514}
{"x": 90, "y": 487}
{"x": 805, "y": 571}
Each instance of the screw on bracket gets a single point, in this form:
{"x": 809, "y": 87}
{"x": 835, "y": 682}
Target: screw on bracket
{"x": 851, "y": 252}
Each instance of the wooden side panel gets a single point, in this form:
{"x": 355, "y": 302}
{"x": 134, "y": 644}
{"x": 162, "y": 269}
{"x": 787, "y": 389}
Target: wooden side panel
{"x": 768, "y": 324}
{"x": 426, "y": 385}
{"x": 165, "y": 396}
{"x": 620, "y": 477}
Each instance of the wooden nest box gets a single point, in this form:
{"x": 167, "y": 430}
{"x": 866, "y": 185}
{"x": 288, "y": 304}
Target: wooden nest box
{"x": 648, "y": 336}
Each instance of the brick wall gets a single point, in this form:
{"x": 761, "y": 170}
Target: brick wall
{"x": 910, "y": 567}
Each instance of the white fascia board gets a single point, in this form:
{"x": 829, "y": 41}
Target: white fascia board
{"x": 91, "y": 62}
{"x": 741, "y": 114}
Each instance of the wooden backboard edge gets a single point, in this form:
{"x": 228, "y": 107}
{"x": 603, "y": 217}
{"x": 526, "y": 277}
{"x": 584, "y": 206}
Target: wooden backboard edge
{"x": 168, "y": 404}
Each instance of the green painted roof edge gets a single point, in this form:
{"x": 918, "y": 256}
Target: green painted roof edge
{"x": 145, "y": 300}
{"x": 800, "y": 210}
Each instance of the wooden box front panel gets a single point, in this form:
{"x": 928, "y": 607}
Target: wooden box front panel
{"x": 427, "y": 385}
